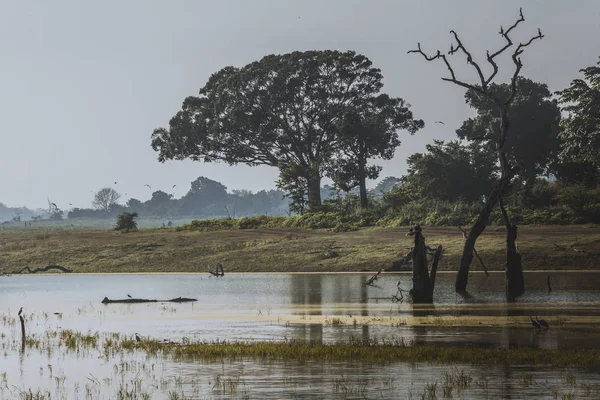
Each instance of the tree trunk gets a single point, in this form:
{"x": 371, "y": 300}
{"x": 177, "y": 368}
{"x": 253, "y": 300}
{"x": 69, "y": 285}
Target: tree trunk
{"x": 515, "y": 282}
{"x": 460, "y": 285}
{"x": 480, "y": 224}
{"x": 423, "y": 283}
{"x": 314, "y": 190}
{"x": 362, "y": 180}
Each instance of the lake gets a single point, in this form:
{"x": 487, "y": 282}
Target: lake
{"x": 315, "y": 307}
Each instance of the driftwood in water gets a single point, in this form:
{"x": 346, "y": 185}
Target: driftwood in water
{"x": 106, "y": 300}
{"x": 218, "y": 272}
{"x": 371, "y": 280}
{"x": 423, "y": 281}
{"x": 515, "y": 283}
{"x": 43, "y": 269}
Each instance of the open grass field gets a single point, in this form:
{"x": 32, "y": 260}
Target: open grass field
{"x": 282, "y": 250}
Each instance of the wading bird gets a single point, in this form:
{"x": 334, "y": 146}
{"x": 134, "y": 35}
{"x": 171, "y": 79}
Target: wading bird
{"x": 542, "y": 323}
{"x": 535, "y": 324}
{"x": 137, "y": 338}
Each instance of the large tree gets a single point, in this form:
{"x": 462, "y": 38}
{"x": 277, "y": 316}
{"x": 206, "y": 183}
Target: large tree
{"x": 514, "y": 275}
{"x": 581, "y": 127}
{"x": 205, "y": 196}
{"x": 281, "y": 110}
{"x": 451, "y": 171}
{"x": 370, "y": 130}
{"x": 531, "y": 141}
{"x": 105, "y": 198}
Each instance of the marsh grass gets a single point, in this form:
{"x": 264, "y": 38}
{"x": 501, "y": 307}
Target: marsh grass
{"x": 372, "y": 351}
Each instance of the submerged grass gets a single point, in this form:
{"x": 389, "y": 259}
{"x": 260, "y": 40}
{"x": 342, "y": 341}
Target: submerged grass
{"x": 371, "y": 352}
{"x": 285, "y": 249}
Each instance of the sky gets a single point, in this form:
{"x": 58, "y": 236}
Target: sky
{"x": 84, "y": 84}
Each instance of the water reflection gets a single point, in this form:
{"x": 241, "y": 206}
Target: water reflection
{"x": 294, "y": 306}
{"x": 306, "y": 300}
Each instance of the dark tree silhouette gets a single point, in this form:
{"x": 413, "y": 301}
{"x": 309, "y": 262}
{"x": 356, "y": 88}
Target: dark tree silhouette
{"x": 282, "y": 110}
{"x": 514, "y": 275}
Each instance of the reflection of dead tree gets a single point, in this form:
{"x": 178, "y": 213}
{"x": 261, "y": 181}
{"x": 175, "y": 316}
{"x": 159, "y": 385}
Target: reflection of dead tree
{"x": 371, "y": 280}
{"x": 482, "y": 88}
{"x": 219, "y": 271}
{"x": 44, "y": 269}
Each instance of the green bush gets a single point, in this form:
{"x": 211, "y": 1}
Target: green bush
{"x": 126, "y": 222}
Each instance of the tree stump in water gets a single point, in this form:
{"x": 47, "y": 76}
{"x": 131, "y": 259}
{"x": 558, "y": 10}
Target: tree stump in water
{"x": 423, "y": 281}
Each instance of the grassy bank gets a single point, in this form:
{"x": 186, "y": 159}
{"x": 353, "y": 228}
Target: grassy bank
{"x": 283, "y": 249}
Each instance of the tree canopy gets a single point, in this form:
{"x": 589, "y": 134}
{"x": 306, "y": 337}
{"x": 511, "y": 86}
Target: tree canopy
{"x": 534, "y": 117}
{"x": 282, "y": 111}
{"x": 370, "y": 130}
{"x": 581, "y": 126}
{"x": 450, "y": 171}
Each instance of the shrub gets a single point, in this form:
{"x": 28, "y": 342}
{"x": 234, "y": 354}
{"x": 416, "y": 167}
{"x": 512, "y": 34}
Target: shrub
{"x": 126, "y": 222}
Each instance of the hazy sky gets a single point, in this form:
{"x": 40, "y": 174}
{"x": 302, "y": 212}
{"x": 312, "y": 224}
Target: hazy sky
{"x": 83, "y": 84}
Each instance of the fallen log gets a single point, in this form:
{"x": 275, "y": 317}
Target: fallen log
{"x": 43, "y": 269}
{"x": 106, "y": 300}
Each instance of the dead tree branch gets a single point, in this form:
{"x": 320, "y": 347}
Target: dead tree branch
{"x": 482, "y": 86}
{"x": 371, "y": 280}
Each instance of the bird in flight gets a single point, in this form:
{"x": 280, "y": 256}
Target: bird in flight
{"x": 440, "y": 122}
{"x": 148, "y": 186}
{"x": 173, "y": 187}
{"x": 54, "y": 205}
{"x": 129, "y": 296}
{"x": 115, "y": 182}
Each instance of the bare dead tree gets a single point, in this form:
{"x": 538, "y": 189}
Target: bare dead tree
{"x": 482, "y": 88}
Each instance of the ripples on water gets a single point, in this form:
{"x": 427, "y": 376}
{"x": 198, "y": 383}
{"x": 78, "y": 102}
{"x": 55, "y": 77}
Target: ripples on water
{"x": 261, "y": 306}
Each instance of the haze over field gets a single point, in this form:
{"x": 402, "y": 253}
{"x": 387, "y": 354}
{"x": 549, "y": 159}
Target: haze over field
{"x": 84, "y": 84}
